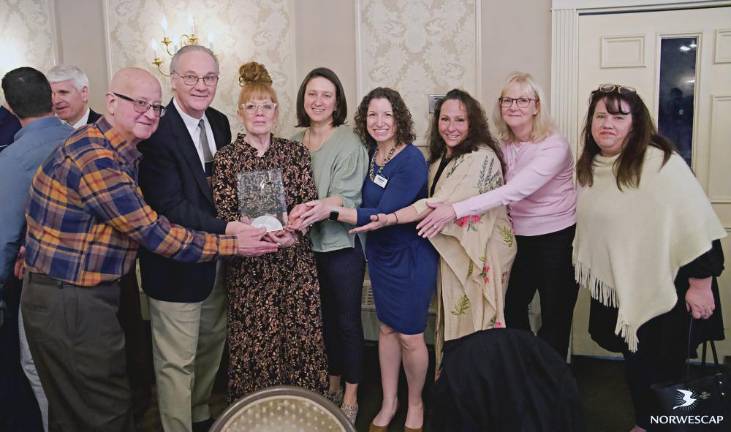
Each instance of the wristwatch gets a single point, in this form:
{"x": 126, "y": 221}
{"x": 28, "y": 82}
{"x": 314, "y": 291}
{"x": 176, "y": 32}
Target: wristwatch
{"x": 334, "y": 215}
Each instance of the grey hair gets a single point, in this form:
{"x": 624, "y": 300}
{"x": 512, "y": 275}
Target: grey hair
{"x": 68, "y": 72}
{"x": 191, "y": 48}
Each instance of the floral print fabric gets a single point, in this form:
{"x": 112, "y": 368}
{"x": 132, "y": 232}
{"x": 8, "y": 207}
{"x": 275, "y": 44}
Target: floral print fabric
{"x": 476, "y": 252}
{"x": 274, "y": 321}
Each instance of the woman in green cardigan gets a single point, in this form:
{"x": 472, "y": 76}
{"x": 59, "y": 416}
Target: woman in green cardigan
{"x": 339, "y": 163}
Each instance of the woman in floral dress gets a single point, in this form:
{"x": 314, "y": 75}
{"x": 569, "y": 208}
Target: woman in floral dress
{"x": 274, "y": 324}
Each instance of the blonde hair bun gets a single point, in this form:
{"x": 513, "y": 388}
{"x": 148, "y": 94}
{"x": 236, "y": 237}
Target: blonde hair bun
{"x": 253, "y": 72}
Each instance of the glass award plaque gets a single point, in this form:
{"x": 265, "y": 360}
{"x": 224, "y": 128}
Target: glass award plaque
{"x": 262, "y": 198}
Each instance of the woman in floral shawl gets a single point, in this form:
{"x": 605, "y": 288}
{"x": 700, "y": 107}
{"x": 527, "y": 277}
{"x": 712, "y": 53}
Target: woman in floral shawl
{"x": 476, "y": 252}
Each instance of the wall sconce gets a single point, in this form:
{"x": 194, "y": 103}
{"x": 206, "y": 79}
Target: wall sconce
{"x": 183, "y": 40}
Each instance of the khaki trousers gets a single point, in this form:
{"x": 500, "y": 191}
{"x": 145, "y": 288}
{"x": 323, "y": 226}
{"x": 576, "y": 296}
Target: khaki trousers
{"x": 187, "y": 344}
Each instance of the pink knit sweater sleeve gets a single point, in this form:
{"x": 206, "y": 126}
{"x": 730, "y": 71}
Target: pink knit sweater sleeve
{"x": 546, "y": 160}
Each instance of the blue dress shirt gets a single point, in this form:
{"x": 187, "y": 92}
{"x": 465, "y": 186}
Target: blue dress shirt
{"x": 18, "y": 164}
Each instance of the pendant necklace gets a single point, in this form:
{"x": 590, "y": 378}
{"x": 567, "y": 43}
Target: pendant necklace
{"x": 371, "y": 172}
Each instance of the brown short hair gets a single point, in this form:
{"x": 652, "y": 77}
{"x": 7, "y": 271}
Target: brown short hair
{"x": 341, "y": 106}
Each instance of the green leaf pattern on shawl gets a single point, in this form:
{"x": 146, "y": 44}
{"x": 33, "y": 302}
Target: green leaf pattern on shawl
{"x": 507, "y": 234}
{"x": 460, "y": 308}
{"x": 490, "y": 175}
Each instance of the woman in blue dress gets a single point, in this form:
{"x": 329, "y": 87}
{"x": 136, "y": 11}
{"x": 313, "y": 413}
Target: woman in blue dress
{"x": 402, "y": 266}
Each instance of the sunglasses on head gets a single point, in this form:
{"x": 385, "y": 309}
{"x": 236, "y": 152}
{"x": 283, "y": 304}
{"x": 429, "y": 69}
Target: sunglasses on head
{"x": 611, "y": 88}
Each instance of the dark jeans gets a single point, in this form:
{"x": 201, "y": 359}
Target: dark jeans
{"x": 543, "y": 262}
{"x": 341, "y": 274}
{"x": 78, "y": 348}
{"x": 18, "y": 407}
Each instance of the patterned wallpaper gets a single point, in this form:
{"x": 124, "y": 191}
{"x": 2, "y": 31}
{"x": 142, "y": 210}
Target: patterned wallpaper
{"x": 27, "y": 35}
{"x": 237, "y": 31}
{"x": 418, "y": 47}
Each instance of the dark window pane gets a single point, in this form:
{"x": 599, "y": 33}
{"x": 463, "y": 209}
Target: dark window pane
{"x": 677, "y": 91}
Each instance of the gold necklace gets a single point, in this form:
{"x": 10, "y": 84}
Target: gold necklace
{"x": 388, "y": 157}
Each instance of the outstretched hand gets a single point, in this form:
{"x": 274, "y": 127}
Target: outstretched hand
{"x": 295, "y": 215}
{"x": 250, "y": 240}
{"x": 378, "y": 221}
{"x": 304, "y": 215}
{"x": 283, "y": 238}
{"x": 441, "y": 215}
{"x": 316, "y": 211}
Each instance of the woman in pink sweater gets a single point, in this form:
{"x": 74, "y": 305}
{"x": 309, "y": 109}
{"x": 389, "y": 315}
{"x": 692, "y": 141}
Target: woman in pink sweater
{"x": 541, "y": 196}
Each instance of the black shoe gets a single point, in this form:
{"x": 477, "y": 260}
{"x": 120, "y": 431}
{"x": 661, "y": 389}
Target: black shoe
{"x": 202, "y": 426}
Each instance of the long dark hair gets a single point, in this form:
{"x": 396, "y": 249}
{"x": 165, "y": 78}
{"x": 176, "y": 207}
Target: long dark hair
{"x": 478, "y": 133}
{"x": 628, "y": 166}
{"x": 341, "y": 106}
{"x": 401, "y": 115}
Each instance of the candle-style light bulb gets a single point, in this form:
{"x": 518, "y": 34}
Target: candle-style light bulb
{"x": 191, "y": 23}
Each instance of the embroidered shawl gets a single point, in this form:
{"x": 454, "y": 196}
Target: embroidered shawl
{"x": 476, "y": 252}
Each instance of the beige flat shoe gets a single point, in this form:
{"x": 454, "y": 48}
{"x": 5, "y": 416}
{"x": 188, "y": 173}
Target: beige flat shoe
{"x": 350, "y": 411}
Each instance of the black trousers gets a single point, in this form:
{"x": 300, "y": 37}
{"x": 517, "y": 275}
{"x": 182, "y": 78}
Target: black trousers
{"x": 660, "y": 357}
{"x": 645, "y": 367}
{"x": 341, "y": 274}
{"x": 18, "y": 407}
{"x": 78, "y": 348}
{"x": 543, "y": 263}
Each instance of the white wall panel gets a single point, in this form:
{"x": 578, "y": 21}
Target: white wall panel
{"x": 418, "y": 47}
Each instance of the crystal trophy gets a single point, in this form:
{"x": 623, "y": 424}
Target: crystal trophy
{"x": 262, "y": 198}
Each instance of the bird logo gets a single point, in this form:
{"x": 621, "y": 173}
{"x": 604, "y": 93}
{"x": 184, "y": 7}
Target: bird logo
{"x": 685, "y": 399}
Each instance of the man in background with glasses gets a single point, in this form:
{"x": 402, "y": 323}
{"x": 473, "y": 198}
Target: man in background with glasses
{"x": 187, "y": 300}
{"x": 86, "y": 219}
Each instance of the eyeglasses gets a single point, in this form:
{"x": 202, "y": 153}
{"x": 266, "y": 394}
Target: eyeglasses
{"x": 522, "y": 102}
{"x": 140, "y": 106}
{"x": 192, "y": 80}
{"x": 609, "y": 88}
{"x": 266, "y": 108}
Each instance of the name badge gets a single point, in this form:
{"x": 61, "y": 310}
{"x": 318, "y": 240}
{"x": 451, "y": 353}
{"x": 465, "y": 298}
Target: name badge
{"x": 380, "y": 181}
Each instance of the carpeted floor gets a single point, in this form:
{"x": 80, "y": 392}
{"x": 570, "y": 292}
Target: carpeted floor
{"x": 601, "y": 382}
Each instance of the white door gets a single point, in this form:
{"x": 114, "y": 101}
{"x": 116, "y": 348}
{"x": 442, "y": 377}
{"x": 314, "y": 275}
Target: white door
{"x": 656, "y": 52}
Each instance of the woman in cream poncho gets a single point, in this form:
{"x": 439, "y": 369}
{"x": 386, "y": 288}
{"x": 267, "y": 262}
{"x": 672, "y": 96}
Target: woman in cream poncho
{"x": 646, "y": 244}
{"x": 476, "y": 252}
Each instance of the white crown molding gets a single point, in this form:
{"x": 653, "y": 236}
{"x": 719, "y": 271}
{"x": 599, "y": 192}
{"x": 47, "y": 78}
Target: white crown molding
{"x": 587, "y": 5}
